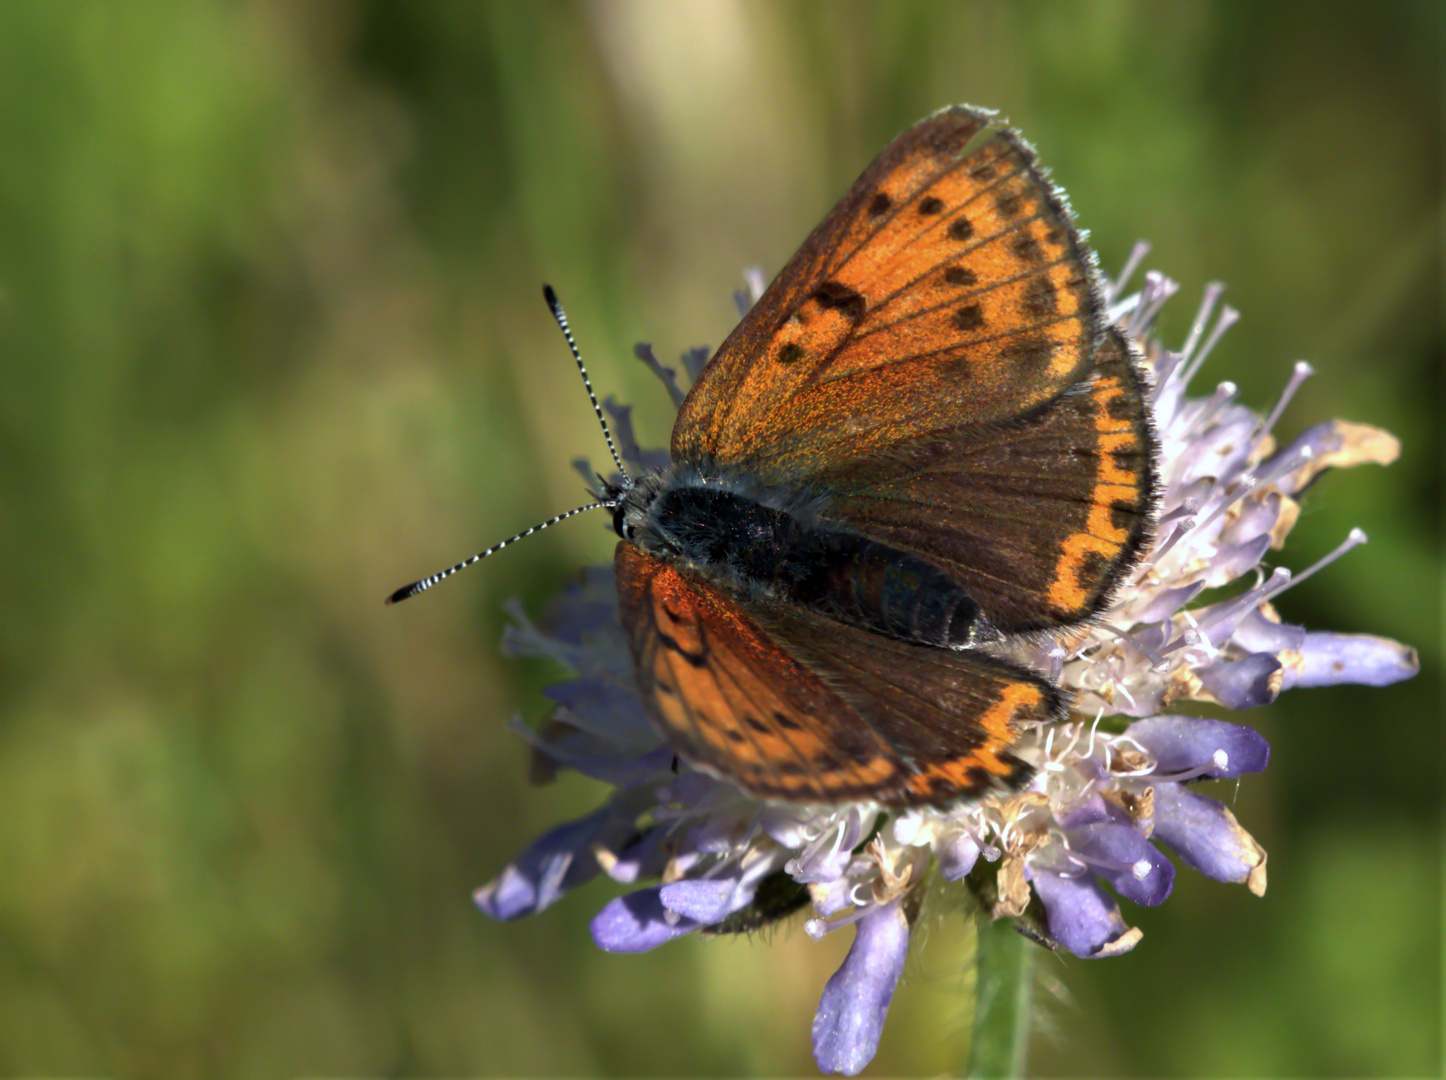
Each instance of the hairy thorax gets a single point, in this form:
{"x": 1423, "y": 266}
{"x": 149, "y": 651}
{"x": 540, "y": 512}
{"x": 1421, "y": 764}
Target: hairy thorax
{"x": 772, "y": 547}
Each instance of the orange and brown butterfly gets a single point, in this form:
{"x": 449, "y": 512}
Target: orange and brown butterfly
{"x": 924, "y": 438}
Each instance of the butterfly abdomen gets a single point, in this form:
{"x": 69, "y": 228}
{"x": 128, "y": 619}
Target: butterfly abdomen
{"x": 750, "y": 546}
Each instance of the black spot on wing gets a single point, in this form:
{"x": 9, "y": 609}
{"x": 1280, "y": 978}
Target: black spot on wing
{"x": 697, "y": 660}
{"x": 1027, "y": 247}
{"x": 969, "y": 317}
{"x": 1040, "y": 298}
{"x": 1092, "y": 571}
{"x": 1124, "y": 516}
{"x": 1031, "y": 353}
{"x": 787, "y": 722}
{"x": 1122, "y": 407}
{"x": 834, "y": 295}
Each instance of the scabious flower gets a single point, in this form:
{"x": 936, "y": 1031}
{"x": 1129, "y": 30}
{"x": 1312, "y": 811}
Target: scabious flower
{"x": 1113, "y": 788}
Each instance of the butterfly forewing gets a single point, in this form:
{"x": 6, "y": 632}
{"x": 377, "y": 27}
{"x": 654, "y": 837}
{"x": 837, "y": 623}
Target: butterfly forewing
{"x": 947, "y": 287}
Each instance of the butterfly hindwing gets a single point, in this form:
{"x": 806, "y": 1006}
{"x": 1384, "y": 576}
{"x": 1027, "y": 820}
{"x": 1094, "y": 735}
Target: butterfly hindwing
{"x": 949, "y": 715}
{"x": 731, "y": 700}
{"x": 792, "y": 706}
{"x": 1037, "y": 518}
{"x": 947, "y": 287}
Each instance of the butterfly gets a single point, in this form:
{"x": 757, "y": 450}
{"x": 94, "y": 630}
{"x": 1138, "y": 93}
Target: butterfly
{"x": 924, "y": 440}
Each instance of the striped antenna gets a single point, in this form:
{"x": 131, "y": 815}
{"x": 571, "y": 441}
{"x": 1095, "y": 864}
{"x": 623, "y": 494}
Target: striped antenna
{"x": 407, "y": 591}
{"x": 557, "y": 313}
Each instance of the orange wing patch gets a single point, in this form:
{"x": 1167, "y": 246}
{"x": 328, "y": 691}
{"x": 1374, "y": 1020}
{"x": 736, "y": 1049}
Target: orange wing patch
{"x": 1120, "y": 493}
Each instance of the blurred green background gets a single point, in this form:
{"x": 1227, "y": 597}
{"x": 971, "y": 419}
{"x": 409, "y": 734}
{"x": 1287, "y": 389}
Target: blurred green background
{"x": 273, "y": 345}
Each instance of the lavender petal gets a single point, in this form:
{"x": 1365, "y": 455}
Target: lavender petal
{"x": 603, "y": 709}
{"x": 1189, "y": 743}
{"x": 644, "y": 857}
{"x": 1146, "y": 876}
{"x": 555, "y": 862}
{"x": 1258, "y": 632}
{"x": 957, "y": 856}
{"x": 637, "y": 922}
{"x": 1087, "y": 811}
{"x": 1255, "y": 517}
{"x": 832, "y": 897}
{"x": 1247, "y": 683}
{"x": 851, "y": 1012}
{"x": 1207, "y": 836}
{"x": 1165, "y": 603}
{"x": 1082, "y": 916}
{"x": 706, "y": 901}
{"x": 1233, "y": 560}
{"x": 1329, "y": 659}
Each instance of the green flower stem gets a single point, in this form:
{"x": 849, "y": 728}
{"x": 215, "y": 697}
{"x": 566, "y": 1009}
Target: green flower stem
{"x": 1003, "y": 1001}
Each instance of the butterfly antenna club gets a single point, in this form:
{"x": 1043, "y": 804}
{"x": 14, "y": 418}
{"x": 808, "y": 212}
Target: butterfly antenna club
{"x": 408, "y": 591}
{"x": 555, "y": 306}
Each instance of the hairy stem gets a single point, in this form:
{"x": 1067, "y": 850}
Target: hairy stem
{"x": 1003, "y": 1001}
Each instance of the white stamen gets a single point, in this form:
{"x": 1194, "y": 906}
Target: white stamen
{"x": 1354, "y": 539}
{"x": 1132, "y": 263}
{"x": 1251, "y": 482}
{"x": 1124, "y": 638}
{"x": 1183, "y": 528}
{"x": 1228, "y": 318}
{"x": 1298, "y": 375}
{"x": 1158, "y": 289}
{"x": 1090, "y": 749}
{"x": 1202, "y": 317}
{"x": 1218, "y": 400}
{"x": 1193, "y": 638}
{"x": 1124, "y": 693}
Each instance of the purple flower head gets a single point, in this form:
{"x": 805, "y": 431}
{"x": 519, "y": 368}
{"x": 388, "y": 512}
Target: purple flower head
{"x": 1113, "y": 788}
